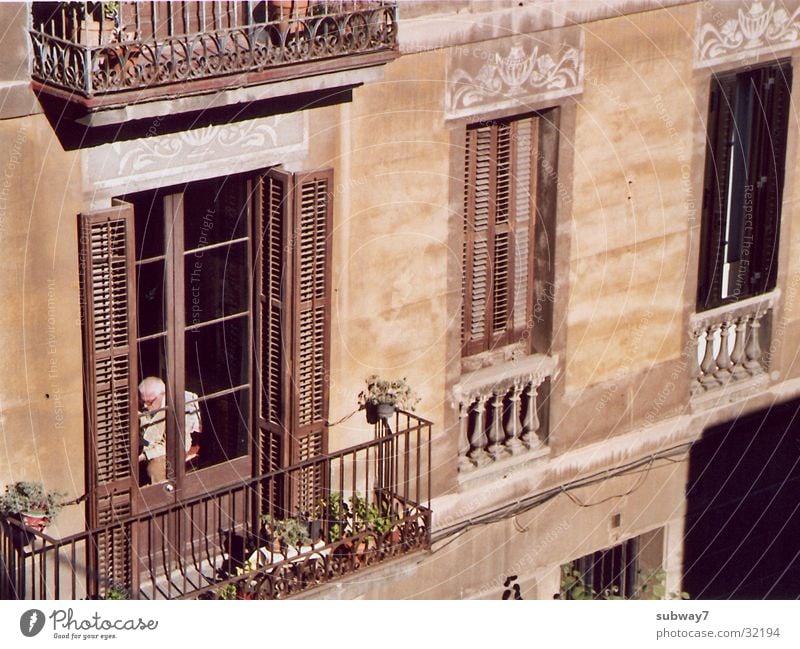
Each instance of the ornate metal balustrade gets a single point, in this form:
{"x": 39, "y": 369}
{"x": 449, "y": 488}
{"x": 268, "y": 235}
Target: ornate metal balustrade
{"x": 216, "y": 543}
{"x": 97, "y": 50}
{"x": 728, "y": 343}
{"x": 499, "y": 411}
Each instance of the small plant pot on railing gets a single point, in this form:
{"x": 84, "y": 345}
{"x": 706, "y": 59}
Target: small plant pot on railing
{"x": 31, "y": 504}
{"x": 381, "y": 398}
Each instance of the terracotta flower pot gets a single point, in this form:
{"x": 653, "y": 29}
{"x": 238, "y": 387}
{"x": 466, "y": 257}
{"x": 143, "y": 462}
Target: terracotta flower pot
{"x": 35, "y": 521}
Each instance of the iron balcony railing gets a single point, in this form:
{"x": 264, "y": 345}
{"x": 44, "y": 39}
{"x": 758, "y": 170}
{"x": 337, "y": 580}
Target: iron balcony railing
{"x": 365, "y": 504}
{"x": 92, "y": 51}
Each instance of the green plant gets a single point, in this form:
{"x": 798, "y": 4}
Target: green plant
{"x": 289, "y": 531}
{"x": 228, "y": 592}
{"x": 30, "y": 498}
{"x": 115, "y": 591}
{"x": 338, "y": 514}
{"x": 367, "y": 517}
{"x": 397, "y": 393}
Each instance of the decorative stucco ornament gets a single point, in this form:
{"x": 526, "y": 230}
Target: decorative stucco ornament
{"x": 757, "y": 27}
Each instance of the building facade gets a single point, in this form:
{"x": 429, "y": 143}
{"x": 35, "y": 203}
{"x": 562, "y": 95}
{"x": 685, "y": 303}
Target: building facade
{"x": 568, "y": 226}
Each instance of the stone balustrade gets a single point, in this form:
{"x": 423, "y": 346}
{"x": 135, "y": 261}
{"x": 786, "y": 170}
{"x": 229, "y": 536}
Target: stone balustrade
{"x": 729, "y": 342}
{"x": 499, "y": 410}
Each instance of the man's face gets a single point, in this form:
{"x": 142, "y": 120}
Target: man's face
{"x": 151, "y": 399}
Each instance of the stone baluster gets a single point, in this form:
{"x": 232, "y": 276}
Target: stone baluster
{"x": 694, "y": 362}
{"x": 530, "y": 424}
{"x": 723, "y": 371}
{"x": 738, "y": 356}
{"x": 464, "y": 463}
{"x": 514, "y": 423}
{"x": 477, "y": 436}
{"x": 496, "y": 433}
{"x": 709, "y": 364}
{"x": 753, "y": 348}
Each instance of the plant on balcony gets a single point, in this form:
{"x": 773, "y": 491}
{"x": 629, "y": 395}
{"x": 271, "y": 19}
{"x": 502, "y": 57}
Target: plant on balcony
{"x": 381, "y": 397}
{"x": 286, "y": 533}
{"x": 32, "y": 503}
{"x": 92, "y": 23}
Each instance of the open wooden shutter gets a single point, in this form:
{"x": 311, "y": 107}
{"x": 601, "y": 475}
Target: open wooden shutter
{"x": 313, "y": 199}
{"x": 109, "y": 334}
{"x": 499, "y": 186}
{"x": 720, "y": 124}
{"x": 295, "y": 329}
{"x": 772, "y": 115}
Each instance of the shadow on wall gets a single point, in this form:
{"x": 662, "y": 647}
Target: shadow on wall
{"x": 743, "y": 509}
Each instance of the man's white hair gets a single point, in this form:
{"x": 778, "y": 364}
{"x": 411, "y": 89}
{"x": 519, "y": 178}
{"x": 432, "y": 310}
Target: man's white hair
{"x": 152, "y": 385}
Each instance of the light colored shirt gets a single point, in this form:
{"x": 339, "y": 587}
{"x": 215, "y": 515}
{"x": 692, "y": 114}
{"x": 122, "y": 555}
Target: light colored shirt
{"x": 153, "y": 429}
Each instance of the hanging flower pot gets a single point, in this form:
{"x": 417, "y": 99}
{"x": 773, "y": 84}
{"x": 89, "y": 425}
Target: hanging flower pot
{"x": 36, "y": 521}
{"x": 381, "y": 398}
{"x": 386, "y": 410}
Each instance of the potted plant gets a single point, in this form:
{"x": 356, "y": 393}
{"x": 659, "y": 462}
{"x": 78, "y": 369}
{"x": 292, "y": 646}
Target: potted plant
{"x": 286, "y": 533}
{"x": 382, "y": 397}
{"x": 93, "y": 23}
{"x": 32, "y": 503}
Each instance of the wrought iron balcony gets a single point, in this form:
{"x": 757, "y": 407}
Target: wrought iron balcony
{"x": 369, "y": 503}
{"x": 111, "y": 53}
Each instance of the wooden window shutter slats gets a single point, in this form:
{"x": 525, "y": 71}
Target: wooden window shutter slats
{"x": 295, "y": 326}
{"x": 109, "y": 339}
{"x": 498, "y": 225}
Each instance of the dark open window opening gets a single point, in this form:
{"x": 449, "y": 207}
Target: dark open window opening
{"x": 628, "y": 570}
{"x": 193, "y": 251}
{"x": 745, "y": 160}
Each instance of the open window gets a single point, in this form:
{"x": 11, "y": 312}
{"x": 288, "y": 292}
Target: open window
{"x": 745, "y": 160}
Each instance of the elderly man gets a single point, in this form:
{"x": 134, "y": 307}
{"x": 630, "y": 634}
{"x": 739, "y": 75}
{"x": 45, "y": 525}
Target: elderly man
{"x": 153, "y": 429}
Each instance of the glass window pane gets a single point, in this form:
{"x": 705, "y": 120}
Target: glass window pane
{"x": 217, "y": 356}
{"x": 214, "y": 211}
{"x": 149, "y": 214}
{"x": 216, "y": 283}
{"x": 153, "y": 358}
{"x": 150, "y": 292}
{"x": 224, "y": 426}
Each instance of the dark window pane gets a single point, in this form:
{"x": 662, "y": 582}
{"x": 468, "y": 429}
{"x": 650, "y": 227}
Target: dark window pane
{"x": 153, "y": 358}
{"x": 217, "y": 356}
{"x": 214, "y": 211}
{"x": 149, "y": 214}
{"x": 224, "y": 428}
{"x": 216, "y": 283}
{"x": 150, "y": 292}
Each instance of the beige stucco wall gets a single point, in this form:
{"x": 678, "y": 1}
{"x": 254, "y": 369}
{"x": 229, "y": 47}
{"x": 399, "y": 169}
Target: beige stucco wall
{"x": 41, "y": 411}
{"x": 533, "y": 544}
{"x": 632, "y": 204}
{"x": 391, "y": 246}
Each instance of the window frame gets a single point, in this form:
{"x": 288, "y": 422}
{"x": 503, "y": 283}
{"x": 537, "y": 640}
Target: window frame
{"x": 740, "y": 230}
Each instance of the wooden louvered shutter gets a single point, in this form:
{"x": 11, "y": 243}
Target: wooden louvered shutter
{"x": 720, "y": 125}
{"x": 310, "y": 358}
{"x": 275, "y": 317}
{"x": 773, "y": 122}
{"x": 109, "y": 332}
{"x": 295, "y": 211}
{"x": 499, "y": 186}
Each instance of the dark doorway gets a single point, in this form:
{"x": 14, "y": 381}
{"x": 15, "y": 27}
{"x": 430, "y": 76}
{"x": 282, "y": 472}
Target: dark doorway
{"x": 742, "y": 537}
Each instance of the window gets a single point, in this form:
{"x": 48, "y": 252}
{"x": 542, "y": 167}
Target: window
{"x": 747, "y": 123}
{"x": 221, "y": 289}
{"x": 630, "y": 570}
{"x": 500, "y": 182}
